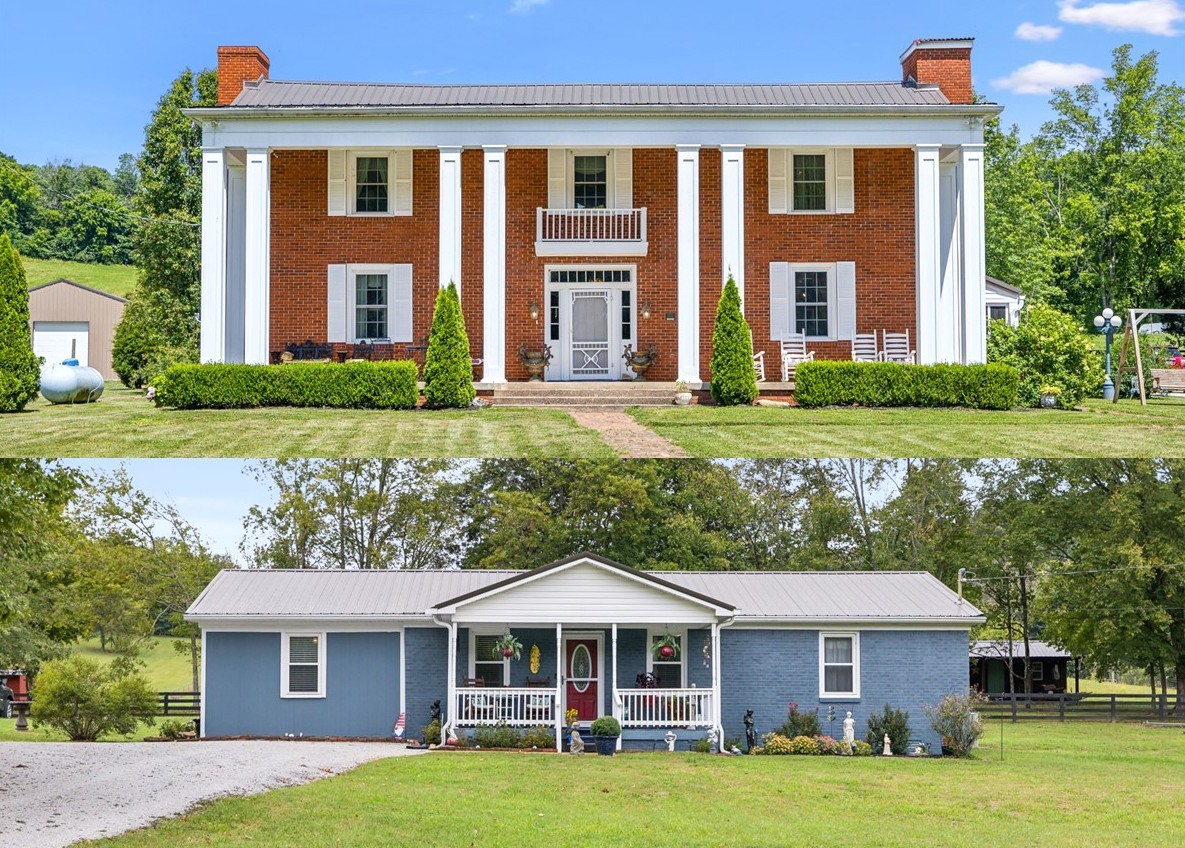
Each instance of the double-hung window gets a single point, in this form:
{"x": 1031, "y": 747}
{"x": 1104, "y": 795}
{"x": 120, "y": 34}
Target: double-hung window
{"x": 590, "y": 182}
{"x": 488, "y": 662}
{"x": 369, "y": 303}
{"x": 302, "y": 665}
{"x": 817, "y": 299}
{"x": 372, "y": 307}
{"x": 809, "y": 175}
{"x": 668, "y": 670}
{"x": 812, "y": 180}
{"x": 373, "y": 183}
{"x": 839, "y": 665}
{"x": 812, "y": 300}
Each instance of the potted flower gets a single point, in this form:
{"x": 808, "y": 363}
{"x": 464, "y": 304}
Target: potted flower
{"x": 1049, "y": 396}
{"x": 510, "y": 647}
{"x": 682, "y": 393}
{"x": 605, "y": 731}
{"x": 665, "y": 647}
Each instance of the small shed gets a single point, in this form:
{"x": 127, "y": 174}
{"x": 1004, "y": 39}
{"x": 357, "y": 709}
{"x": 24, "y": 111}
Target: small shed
{"x": 71, "y": 321}
{"x": 1049, "y": 666}
{"x": 1002, "y": 301}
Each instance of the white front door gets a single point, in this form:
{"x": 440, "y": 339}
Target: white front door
{"x": 589, "y": 354}
{"x": 589, "y": 323}
{"x": 58, "y": 340}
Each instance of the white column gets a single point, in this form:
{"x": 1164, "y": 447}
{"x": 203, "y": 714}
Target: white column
{"x": 974, "y": 270}
{"x": 450, "y": 216}
{"x": 213, "y": 308}
{"x": 687, "y": 169}
{"x": 718, "y": 710}
{"x": 559, "y": 686}
{"x": 732, "y": 208}
{"x": 256, "y": 297}
{"x": 202, "y": 695}
{"x": 494, "y": 266}
{"x": 928, "y": 244}
{"x": 613, "y": 682}
{"x": 949, "y": 344}
{"x": 449, "y": 718}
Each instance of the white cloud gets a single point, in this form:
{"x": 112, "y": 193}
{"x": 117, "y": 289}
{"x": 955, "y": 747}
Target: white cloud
{"x": 1156, "y": 17}
{"x": 1042, "y": 77}
{"x": 523, "y": 6}
{"x": 1037, "y": 32}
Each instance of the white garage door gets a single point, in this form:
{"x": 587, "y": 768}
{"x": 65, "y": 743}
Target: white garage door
{"x": 58, "y": 340}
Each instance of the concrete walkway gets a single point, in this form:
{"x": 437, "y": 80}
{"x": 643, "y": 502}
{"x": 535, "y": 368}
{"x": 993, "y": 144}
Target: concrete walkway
{"x": 625, "y": 435}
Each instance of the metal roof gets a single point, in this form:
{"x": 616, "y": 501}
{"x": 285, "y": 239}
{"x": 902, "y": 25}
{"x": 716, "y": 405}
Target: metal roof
{"x": 270, "y": 94}
{"x": 998, "y": 649}
{"x": 789, "y": 595}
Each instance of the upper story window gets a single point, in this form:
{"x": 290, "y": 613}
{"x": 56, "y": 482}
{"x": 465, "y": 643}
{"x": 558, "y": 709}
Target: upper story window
{"x": 370, "y": 182}
{"x": 580, "y": 178}
{"x": 371, "y": 186}
{"x": 811, "y": 180}
{"x": 590, "y": 182}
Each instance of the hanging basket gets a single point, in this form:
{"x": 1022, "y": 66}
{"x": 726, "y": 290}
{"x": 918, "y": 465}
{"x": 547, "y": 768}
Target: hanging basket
{"x": 509, "y": 647}
{"x": 665, "y": 647}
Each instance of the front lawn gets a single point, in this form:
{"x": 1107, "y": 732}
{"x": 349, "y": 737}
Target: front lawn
{"x": 124, "y": 424}
{"x": 1067, "y": 785}
{"x": 1103, "y": 430}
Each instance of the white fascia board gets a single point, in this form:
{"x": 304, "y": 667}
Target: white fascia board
{"x": 756, "y": 623}
{"x": 542, "y": 617}
{"x": 299, "y": 131}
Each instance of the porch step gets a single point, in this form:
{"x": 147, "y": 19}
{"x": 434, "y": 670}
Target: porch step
{"x": 585, "y": 394}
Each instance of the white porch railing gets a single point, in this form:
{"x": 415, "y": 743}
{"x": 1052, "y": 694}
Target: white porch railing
{"x": 665, "y": 707}
{"x": 590, "y": 225}
{"x": 517, "y": 707}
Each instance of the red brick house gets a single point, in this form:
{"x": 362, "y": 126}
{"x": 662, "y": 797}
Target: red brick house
{"x": 588, "y": 217}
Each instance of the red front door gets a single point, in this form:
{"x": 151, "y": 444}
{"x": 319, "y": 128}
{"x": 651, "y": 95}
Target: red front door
{"x": 580, "y": 665}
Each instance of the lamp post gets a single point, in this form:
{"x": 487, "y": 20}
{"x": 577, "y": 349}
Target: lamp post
{"x": 1108, "y": 322}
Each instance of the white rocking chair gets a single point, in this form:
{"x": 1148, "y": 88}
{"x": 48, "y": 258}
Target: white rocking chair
{"x": 896, "y": 348}
{"x": 794, "y": 353}
{"x": 864, "y": 348}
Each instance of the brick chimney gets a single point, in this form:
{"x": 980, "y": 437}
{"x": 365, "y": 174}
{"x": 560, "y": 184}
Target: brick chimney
{"x": 945, "y": 62}
{"x": 237, "y": 65}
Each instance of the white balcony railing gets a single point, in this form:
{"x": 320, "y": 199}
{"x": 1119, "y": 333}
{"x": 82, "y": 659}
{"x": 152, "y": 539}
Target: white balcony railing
{"x": 665, "y": 707}
{"x": 605, "y": 232}
{"x": 517, "y": 707}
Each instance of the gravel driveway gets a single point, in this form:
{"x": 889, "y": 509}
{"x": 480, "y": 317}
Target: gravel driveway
{"x": 55, "y": 793}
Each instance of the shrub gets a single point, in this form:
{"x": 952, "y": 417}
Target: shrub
{"x": 956, "y": 719}
{"x": 350, "y": 385}
{"x": 497, "y": 736}
{"x": 701, "y": 746}
{"x": 733, "y": 379}
{"x": 431, "y": 732}
{"x": 538, "y": 737}
{"x": 800, "y": 723}
{"x": 605, "y": 726}
{"x": 899, "y": 384}
{"x": 805, "y": 745}
{"x": 827, "y": 745}
{"x": 773, "y": 744}
{"x": 448, "y": 371}
{"x": 862, "y": 749}
{"x": 20, "y": 370}
{"x": 85, "y": 699}
{"x": 173, "y": 729}
{"x": 893, "y": 722}
{"x": 1048, "y": 348}
{"x": 155, "y": 332}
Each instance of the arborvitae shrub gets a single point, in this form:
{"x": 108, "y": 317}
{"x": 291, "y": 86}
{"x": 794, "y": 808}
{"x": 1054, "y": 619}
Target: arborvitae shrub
{"x": 733, "y": 379}
{"x": 20, "y": 371}
{"x": 448, "y": 371}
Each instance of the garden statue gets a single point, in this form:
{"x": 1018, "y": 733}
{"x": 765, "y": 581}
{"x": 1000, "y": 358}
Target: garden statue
{"x": 750, "y": 733}
{"x": 435, "y": 710}
{"x": 576, "y": 746}
{"x": 713, "y": 741}
{"x": 849, "y": 730}
{"x": 670, "y": 737}
{"x": 888, "y": 752}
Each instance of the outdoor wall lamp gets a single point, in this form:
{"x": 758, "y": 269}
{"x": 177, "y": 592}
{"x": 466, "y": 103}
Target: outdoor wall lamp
{"x": 646, "y": 310}
{"x": 534, "y": 310}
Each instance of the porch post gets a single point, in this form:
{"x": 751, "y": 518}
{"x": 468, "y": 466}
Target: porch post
{"x": 449, "y": 718}
{"x": 717, "y": 709}
{"x": 974, "y": 262}
{"x": 687, "y": 192}
{"x": 732, "y": 207}
{"x": 613, "y": 683}
{"x": 257, "y": 296}
{"x": 214, "y": 217}
{"x": 450, "y": 216}
{"x": 928, "y": 246}
{"x": 559, "y": 687}
{"x": 494, "y": 265}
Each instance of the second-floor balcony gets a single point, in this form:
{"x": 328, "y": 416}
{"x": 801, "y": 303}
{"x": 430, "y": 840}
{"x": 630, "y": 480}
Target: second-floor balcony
{"x": 590, "y": 232}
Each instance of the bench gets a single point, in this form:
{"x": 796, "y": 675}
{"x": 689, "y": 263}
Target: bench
{"x": 1168, "y": 380}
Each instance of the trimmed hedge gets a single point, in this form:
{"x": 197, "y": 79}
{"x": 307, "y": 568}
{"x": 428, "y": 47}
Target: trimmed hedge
{"x": 899, "y": 384}
{"x": 350, "y": 385}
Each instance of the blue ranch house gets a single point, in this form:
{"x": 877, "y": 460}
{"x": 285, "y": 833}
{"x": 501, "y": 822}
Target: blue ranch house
{"x": 345, "y": 653}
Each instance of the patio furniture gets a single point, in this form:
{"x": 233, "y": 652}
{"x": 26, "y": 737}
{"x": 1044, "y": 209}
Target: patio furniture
{"x": 794, "y": 353}
{"x": 864, "y": 348}
{"x": 379, "y": 349}
{"x": 309, "y": 351}
{"x": 896, "y": 348}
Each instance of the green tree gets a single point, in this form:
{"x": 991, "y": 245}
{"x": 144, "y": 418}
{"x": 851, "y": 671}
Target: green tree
{"x": 19, "y": 370}
{"x": 448, "y": 370}
{"x": 733, "y": 379}
{"x": 1049, "y": 348}
{"x": 86, "y": 699}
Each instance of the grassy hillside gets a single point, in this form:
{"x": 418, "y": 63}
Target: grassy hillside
{"x": 116, "y": 279}
{"x": 166, "y": 670}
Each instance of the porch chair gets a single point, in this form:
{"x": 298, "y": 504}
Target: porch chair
{"x": 473, "y": 681}
{"x": 896, "y": 348}
{"x": 758, "y": 360}
{"x": 864, "y": 348}
{"x": 794, "y": 353}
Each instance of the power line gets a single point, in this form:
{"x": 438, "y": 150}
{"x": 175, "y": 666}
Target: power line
{"x": 969, "y": 577}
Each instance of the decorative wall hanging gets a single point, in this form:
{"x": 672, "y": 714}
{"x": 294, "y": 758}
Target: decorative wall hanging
{"x": 534, "y": 659}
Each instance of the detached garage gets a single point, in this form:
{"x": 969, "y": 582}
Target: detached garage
{"x": 72, "y": 321}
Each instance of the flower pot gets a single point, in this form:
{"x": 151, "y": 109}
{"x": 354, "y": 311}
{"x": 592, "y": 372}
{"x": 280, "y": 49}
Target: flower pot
{"x": 682, "y": 398}
{"x": 606, "y": 745}
{"x": 666, "y": 652}
{"x": 508, "y": 652}
{"x": 1048, "y": 401}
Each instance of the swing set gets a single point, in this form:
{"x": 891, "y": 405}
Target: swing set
{"x": 1168, "y": 379}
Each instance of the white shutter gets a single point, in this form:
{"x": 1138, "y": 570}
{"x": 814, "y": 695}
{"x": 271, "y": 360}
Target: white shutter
{"x": 845, "y": 186}
{"x": 779, "y": 197}
{"x": 557, "y": 178}
{"x": 338, "y": 306}
{"x": 623, "y": 178}
{"x": 338, "y": 184}
{"x": 845, "y": 300}
{"x": 779, "y": 300}
{"x": 400, "y": 171}
{"x": 399, "y": 298}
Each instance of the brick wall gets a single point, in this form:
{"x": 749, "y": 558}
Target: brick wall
{"x": 878, "y": 237}
{"x": 948, "y": 68}
{"x": 237, "y": 65}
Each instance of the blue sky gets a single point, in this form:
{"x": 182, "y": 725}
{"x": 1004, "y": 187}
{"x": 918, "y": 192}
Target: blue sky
{"x": 79, "y": 79}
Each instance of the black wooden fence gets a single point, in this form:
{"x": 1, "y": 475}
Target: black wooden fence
{"x": 1068, "y": 706}
{"x": 188, "y": 704}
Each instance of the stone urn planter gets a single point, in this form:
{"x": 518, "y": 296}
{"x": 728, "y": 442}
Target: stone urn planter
{"x": 638, "y": 361}
{"x": 682, "y": 394}
{"x": 1049, "y": 396}
{"x": 535, "y": 361}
